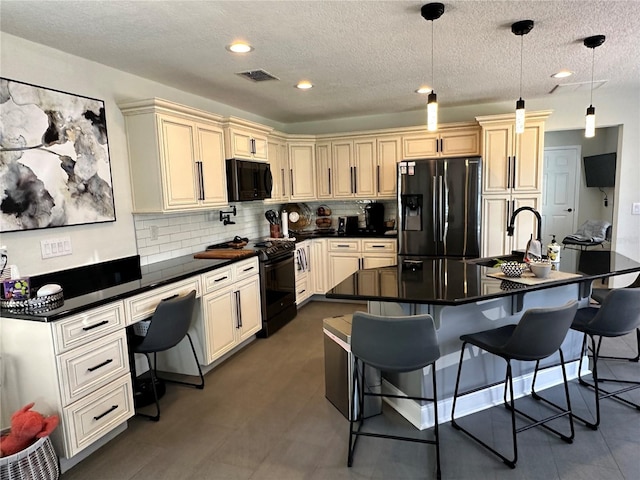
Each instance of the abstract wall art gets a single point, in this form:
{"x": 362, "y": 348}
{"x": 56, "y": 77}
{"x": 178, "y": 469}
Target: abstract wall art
{"x": 54, "y": 159}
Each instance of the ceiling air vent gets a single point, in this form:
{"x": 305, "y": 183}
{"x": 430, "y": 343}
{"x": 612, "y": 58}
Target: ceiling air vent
{"x": 577, "y": 87}
{"x": 257, "y": 75}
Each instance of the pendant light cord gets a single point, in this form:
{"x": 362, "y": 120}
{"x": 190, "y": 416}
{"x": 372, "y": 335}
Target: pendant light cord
{"x": 521, "y": 57}
{"x": 593, "y": 59}
{"x": 432, "y": 71}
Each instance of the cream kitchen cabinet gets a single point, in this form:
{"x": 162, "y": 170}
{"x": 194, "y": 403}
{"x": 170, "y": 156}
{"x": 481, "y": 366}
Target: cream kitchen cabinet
{"x": 278, "y": 154}
{"x": 231, "y": 307}
{"x": 512, "y": 170}
{"x": 246, "y": 140}
{"x": 176, "y": 157}
{"x": 496, "y": 212}
{"x": 449, "y": 141}
{"x": 323, "y": 170}
{"x": 347, "y": 256}
{"x": 302, "y": 170}
{"x": 512, "y": 163}
{"x": 389, "y": 153}
{"x": 303, "y": 269}
{"x": 77, "y": 368}
{"x": 354, "y": 167}
{"x": 318, "y": 263}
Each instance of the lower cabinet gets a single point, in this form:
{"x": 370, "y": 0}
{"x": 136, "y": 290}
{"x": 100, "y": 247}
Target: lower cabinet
{"x": 347, "y": 256}
{"x": 231, "y": 308}
{"x": 77, "y": 368}
{"x": 304, "y": 278}
{"x": 496, "y": 212}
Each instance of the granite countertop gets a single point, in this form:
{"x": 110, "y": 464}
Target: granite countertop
{"x": 153, "y": 276}
{"x": 452, "y": 281}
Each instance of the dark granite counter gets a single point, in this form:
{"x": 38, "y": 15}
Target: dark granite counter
{"x": 152, "y": 276}
{"x": 450, "y": 281}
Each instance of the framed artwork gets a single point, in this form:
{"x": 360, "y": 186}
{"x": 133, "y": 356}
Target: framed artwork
{"x": 54, "y": 159}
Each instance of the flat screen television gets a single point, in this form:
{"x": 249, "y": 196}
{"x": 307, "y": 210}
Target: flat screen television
{"x": 600, "y": 170}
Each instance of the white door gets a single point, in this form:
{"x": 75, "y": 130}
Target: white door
{"x": 559, "y": 192}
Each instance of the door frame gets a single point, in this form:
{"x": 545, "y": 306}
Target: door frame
{"x": 578, "y": 149}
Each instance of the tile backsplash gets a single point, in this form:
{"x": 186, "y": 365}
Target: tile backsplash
{"x": 164, "y": 236}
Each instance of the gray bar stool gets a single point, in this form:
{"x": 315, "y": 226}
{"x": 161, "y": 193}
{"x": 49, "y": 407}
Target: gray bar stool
{"x": 598, "y": 294}
{"x": 169, "y": 325}
{"x": 537, "y": 336}
{"x": 391, "y": 344}
{"x": 618, "y": 315}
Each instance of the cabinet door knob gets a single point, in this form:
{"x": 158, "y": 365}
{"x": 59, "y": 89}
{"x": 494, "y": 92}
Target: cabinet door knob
{"x": 569, "y": 209}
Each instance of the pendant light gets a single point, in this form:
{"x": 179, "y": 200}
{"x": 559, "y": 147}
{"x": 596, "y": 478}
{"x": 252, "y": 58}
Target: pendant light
{"x": 431, "y": 12}
{"x": 590, "y": 119}
{"x": 521, "y": 28}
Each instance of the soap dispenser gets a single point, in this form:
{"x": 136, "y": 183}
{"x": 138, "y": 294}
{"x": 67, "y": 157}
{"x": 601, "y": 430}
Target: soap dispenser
{"x": 553, "y": 250}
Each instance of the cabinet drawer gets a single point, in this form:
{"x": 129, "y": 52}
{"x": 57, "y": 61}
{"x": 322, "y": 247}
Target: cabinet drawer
{"x": 86, "y": 368}
{"x": 80, "y": 329}
{"x": 246, "y": 268}
{"x": 217, "y": 279}
{"x": 302, "y": 289}
{"x": 142, "y": 306}
{"x": 97, "y": 414}
{"x": 378, "y": 246}
{"x": 347, "y": 245}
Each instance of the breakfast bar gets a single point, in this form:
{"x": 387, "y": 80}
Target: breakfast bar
{"x": 464, "y": 296}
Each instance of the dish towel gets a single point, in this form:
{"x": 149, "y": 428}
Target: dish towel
{"x": 533, "y": 252}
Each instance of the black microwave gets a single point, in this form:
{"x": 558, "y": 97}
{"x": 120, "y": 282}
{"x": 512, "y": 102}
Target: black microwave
{"x": 247, "y": 180}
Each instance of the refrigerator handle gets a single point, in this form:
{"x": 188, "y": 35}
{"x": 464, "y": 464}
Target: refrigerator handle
{"x": 443, "y": 207}
{"x": 434, "y": 208}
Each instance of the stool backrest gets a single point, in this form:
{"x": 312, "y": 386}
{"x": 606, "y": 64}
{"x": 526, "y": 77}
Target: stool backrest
{"x": 169, "y": 324}
{"x": 540, "y": 332}
{"x": 619, "y": 313}
{"x": 398, "y": 344}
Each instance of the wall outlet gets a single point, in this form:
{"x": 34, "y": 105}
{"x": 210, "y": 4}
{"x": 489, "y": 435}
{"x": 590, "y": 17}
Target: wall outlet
{"x": 635, "y": 208}
{"x": 153, "y": 229}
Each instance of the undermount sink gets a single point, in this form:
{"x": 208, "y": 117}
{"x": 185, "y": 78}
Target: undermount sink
{"x": 491, "y": 261}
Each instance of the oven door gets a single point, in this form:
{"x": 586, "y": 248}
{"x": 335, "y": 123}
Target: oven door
{"x": 278, "y": 285}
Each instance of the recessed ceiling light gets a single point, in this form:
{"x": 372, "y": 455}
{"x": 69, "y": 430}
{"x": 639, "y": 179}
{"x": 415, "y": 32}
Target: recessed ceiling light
{"x": 304, "y": 85}
{"x": 423, "y": 90}
{"x": 562, "y": 74}
{"x": 239, "y": 47}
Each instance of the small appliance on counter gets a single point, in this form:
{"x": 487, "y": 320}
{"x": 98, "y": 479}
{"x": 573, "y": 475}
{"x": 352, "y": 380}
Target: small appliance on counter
{"x": 348, "y": 225}
{"x": 374, "y": 217}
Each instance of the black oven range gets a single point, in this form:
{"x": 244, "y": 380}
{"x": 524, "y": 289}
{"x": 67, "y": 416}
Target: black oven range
{"x": 277, "y": 282}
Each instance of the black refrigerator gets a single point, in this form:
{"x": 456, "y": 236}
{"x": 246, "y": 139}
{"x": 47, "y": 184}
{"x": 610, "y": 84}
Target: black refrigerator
{"x": 439, "y": 207}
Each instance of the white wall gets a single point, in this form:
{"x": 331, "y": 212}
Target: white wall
{"x": 37, "y": 64}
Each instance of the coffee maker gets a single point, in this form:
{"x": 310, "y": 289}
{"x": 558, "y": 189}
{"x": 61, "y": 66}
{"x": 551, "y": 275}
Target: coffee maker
{"x": 374, "y": 217}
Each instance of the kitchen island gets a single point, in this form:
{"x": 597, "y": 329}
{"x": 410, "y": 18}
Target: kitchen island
{"x": 463, "y": 298}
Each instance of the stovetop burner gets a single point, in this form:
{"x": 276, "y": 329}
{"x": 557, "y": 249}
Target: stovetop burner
{"x": 268, "y": 249}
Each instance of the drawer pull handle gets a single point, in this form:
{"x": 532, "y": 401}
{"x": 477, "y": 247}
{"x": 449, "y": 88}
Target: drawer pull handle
{"x": 169, "y": 298}
{"x": 302, "y": 291}
{"x": 221, "y": 278}
{"x": 342, "y": 246}
{"x": 377, "y": 246}
{"x": 106, "y": 362}
{"x": 99, "y": 324}
{"x": 113, "y": 407}
{"x": 248, "y": 268}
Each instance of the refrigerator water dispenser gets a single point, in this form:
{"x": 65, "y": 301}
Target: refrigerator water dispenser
{"x": 411, "y": 212}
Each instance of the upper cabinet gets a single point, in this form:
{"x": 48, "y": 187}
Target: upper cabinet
{"x": 353, "y": 162}
{"x": 512, "y": 163}
{"x": 278, "y": 155}
{"x": 324, "y": 175}
{"x": 176, "y": 157}
{"x": 302, "y": 170}
{"x": 449, "y": 141}
{"x": 245, "y": 139}
{"x": 389, "y": 154}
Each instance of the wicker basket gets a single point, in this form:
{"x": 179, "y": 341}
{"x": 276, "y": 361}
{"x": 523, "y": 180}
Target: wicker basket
{"x": 36, "y": 462}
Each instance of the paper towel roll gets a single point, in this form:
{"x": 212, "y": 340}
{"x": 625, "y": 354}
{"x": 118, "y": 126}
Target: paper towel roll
{"x": 285, "y": 224}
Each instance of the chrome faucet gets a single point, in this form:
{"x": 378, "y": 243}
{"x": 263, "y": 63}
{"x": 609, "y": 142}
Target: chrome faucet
{"x": 513, "y": 219}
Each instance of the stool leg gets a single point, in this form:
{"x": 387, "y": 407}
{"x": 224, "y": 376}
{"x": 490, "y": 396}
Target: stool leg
{"x": 155, "y": 417}
{"x": 595, "y": 349}
{"x": 512, "y": 407}
{"x": 357, "y": 385}
{"x": 435, "y": 418}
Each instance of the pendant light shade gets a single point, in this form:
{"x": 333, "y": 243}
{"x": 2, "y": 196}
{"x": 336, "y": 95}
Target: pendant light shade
{"x": 590, "y": 119}
{"x": 431, "y": 12}
{"x": 521, "y": 28}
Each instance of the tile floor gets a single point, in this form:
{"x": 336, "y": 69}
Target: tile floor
{"x": 263, "y": 415}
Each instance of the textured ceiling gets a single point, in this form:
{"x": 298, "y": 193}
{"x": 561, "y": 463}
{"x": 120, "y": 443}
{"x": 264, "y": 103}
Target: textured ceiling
{"x": 364, "y": 57}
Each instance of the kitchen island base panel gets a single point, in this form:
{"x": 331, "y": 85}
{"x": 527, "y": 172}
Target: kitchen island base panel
{"x": 452, "y": 322}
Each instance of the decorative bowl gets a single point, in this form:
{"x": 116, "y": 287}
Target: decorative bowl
{"x": 512, "y": 269}
{"x": 540, "y": 269}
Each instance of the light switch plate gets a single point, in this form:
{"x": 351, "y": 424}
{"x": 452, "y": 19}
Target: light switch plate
{"x": 635, "y": 209}
{"x": 55, "y": 247}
